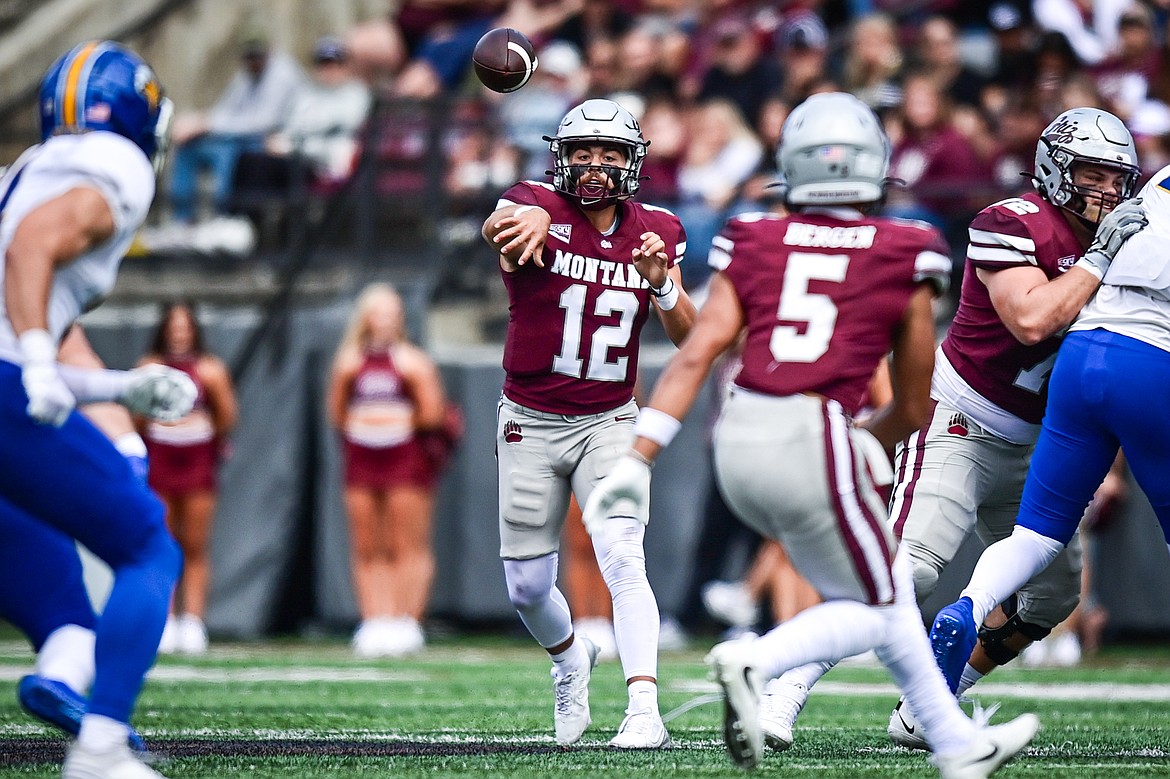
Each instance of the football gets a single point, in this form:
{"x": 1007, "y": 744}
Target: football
{"x": 504, "y": 59}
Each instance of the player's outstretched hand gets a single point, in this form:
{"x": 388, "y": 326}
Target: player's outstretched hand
{"x": 160, "y": 392}
{"x": 527, "y": 227}
{"x": 1115, "y": 229}
{"x": 625, "y": 492}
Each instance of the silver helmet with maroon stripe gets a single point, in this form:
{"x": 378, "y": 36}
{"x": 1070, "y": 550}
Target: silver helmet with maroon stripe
{"x": 833, "y": 151}
{"x": 1084, "y": 136}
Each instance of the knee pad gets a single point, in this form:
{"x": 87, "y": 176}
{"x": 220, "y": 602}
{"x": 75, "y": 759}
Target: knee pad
{"x": 925, "y": 579}
{"x": 995, "y": 640}
{"x": 530, "y": 581}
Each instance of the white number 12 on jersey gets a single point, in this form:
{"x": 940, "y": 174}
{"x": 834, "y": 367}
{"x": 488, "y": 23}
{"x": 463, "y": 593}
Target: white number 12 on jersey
{"x": 797, "y": 304}
{"x": 569, "y": 361}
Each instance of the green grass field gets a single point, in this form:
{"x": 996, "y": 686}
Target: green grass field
{"x": 479, "y": 705}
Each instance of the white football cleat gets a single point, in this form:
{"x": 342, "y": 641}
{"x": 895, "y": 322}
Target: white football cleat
{"x": 904, "y": 729}
{"x": 192, "y": 638}
{"x": 732, "y": 670}
{"x": 779, "y": 708}
{"x": 168, "y": 644}
{"x": 599, "y": 630}
{"x": 641, "y": 730}
{"x": 117, "y": 763}
{"x": 571, "y": 698}
{"x": 731, "y": 603}
{"x": 992, "y": 747}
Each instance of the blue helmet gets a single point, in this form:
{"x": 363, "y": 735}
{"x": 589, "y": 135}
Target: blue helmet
{"x": 102, "y": 85}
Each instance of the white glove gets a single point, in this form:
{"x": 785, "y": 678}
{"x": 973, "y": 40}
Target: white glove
{"x": 624, "y": 492}
{"x": 159, "y": 392}
{"x": 1115, "y": 229}
{"x": 49, "y": 400}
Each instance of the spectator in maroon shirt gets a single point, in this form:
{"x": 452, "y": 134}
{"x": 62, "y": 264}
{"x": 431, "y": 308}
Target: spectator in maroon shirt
{"x": 943, "y": 174}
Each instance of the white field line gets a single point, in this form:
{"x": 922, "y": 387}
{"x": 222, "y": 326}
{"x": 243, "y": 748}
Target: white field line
{"x": 293, "y": 675}
{"x": 1079, "y": 691}
{"x": 1065, "y": 691}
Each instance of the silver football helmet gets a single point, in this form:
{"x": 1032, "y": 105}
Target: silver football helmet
{"x": 1083, "y": 135}
{"x": 596, "y": 122}
{"x": 833, "y": 151}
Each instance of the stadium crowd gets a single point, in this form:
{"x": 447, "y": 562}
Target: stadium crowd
{"x": 962, "y": 90}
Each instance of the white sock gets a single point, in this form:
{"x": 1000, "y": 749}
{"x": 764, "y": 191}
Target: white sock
{"x": 636, "y": 620}
{"x": 571, "y": 659}
{"x": 102, "y": 734}
{"x": 968, "y": 679}
{"x": 67, "y": 656}
{"x": 825, "y": 632}
{"x": 802, "y": 676}
{"x": 643, "y": 696}
{"x": 1006, "y": 566}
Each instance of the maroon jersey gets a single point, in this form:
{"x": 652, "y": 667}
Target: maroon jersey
{"x": 573, "y": 325}
{"x": 1017, "y": 232}
{"x": 823, "y": 293}
{"x": 381, "y": 409}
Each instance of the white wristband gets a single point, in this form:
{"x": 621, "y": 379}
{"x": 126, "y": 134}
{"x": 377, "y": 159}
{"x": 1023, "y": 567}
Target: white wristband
{"x": 38, "y": 346}
{"x": 1084, "y": 263}
{"x": 657, "y": 426}
{"x": 523, "y": 210}
{"x": 130, "y": 445}
{"x": 666, "y": 295}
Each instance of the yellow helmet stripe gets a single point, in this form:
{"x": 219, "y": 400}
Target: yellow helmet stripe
{"x": 69, "y": 116}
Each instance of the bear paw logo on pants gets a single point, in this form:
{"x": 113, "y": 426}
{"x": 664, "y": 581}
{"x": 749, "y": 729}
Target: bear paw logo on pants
{"x": 958, "y": 425}
{"x": 512, "y": 432}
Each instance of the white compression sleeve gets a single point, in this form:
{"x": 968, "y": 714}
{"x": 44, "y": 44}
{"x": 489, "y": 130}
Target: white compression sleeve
{"x": 1006, "y": 566}
{"x": 94, "y": 385}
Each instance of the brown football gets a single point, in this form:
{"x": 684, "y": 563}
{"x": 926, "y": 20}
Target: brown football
{"x": 504, "y": 59}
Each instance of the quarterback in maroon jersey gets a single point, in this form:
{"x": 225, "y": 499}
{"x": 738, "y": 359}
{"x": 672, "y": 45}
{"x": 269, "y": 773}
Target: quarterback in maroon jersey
{"x": 824, "y": 295}
{"x": 583, "y": 265}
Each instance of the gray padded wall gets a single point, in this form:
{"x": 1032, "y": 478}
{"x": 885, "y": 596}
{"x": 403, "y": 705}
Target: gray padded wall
{"x": 286, "y": 463}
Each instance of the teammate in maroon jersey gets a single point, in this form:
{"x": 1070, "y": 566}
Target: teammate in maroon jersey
{"x": 824, "y": 295}
{"x": 581, "y": 262}
{"x": 1031, "y": 266}
{"x": 1029, "y": 273}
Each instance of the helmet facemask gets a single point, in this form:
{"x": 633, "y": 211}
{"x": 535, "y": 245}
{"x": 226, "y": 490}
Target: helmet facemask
{"x": 615, "y": 182}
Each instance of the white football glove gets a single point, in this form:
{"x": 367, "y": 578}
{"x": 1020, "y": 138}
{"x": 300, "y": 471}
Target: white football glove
{"x": 1115, "y": 229}
{"x": 160, "y": 392}
{"x": 625, "y": 492}
{"x": 49, "y": 400}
